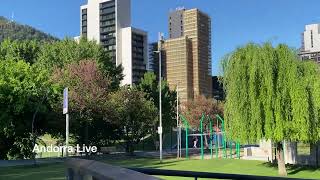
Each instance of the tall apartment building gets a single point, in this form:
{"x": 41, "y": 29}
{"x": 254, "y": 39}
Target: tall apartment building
{"x": 179, "y": 71}
{"x": 310, "y": 45}
{"x": 153, "y": 62}
{"x": 188, "y": 53}
{"x": 109, "y": 23}
{"x": 134, "y": 54}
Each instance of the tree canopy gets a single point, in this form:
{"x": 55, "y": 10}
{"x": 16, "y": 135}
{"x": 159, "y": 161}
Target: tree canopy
{"x": 150, "y": 86}
{"x": 27, "y": 50}
{"x": 25, "y": 93}
{"x": 134, "y": 114}
{"x": 193, "y": 109}
{"x": 61, "y": 53}
{"x": 88, "y": 95}
{"x": 271, "y": 94}
{"x": 31, "y": 92}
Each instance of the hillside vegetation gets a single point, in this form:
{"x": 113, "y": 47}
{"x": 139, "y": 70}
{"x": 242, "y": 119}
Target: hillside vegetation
{"x": 16, "y": 31}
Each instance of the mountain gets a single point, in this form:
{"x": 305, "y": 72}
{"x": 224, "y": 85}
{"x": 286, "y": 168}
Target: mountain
{"x": 16, "y": 31}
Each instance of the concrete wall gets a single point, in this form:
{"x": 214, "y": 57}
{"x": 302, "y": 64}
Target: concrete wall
{"x": 81, "y": 169}
{"x": 290, "y": 152}
{"x": 313, "y": 159}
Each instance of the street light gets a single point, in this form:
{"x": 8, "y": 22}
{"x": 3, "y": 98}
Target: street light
{"x": 160, "y": 104}
{"x": 178, "y": 129}
{"x": 178, "y": 124}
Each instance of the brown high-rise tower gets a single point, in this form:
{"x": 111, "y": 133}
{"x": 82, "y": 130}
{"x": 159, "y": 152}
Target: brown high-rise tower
{"x": 188, "y": 53}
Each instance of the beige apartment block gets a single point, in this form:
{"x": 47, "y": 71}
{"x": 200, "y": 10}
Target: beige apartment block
{"x": 179, "y": 72}
{"x": 191, "y": 28}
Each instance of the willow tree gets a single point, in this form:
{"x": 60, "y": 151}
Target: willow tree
{"x": 271, "y": 94}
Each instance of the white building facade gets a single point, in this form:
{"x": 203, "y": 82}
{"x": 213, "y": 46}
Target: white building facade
{"x": 134, "y": 54}
{"x": 108, "y": 22}
{"x": 310, "y": 45}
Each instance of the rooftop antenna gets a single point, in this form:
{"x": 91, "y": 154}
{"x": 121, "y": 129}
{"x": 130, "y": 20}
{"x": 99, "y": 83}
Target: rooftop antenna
{"x": 12, "y": 17}
{"x": 179, "y": 8}
{"x": 11, "y": 20}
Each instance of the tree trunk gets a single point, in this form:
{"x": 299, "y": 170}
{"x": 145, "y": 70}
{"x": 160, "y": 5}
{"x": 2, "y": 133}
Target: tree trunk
{"x": 280, "y": 159}
{"x": 314, "y": 154}
{"x": 129, "y": 148}
{"x": 317, "y": 155}
{"x": 87, "y": 136}
{"x": 171, "y": 139}
{"x": 206, "y": 142}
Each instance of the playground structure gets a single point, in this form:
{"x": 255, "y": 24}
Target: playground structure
{"x": 214, "y": 134}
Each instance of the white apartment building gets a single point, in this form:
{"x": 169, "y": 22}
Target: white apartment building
{"x": 310, "y": 48}
{"x": 134, "y": 54}
{"x": 108, "y": 22}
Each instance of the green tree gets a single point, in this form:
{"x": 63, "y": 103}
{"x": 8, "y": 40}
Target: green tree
{"x": 25, "y": 95}
{"x": 150, "y": 86}
{"x": 193, "y": 109}
{"x": 61, "y": 53}
{"x": 271, "y": 94}
{"x": 26, "y": 50}
{"x": 88, "y": 98}
{"x": 31, "y": 101}
{"x": 135, "y": 114}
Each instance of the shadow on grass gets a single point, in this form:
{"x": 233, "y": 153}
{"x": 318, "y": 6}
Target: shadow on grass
{"x": 293, "y": 169}
{"x": 136, "y": 161}
{"x": 36, "y": 166}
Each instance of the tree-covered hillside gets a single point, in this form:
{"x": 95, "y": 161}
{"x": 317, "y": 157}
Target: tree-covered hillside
{"x": 15, "y": 31}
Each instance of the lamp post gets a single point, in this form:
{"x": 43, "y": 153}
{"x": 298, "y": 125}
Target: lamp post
{"x": 178, "y": 123}
{"x": 160, "y": 103}
{"x": 178, "y": 139}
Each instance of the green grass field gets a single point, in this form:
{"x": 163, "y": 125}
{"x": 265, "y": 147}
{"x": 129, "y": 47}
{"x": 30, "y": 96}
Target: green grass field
{"x": 56, "y": 171}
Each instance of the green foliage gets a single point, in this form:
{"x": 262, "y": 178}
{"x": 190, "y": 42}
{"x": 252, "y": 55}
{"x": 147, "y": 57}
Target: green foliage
{"x": 193, "y": 110}
{"x": 60, "y": 54}
{"x": 20, "y": 32}
{"x": 20, "y": 50}
{"x": 23, "y": 90}
{"x": 88, "y": 101}
{"x": 31, "y": 93}
{"x": 150, "y": 86}
{"x": 271, "y": 94}
{"x": 134, "y": 113}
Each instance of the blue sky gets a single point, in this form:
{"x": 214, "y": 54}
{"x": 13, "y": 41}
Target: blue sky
{"x": 234, "y": 22}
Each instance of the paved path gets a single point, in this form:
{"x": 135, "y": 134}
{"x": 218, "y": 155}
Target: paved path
{"x": 195, "y": 153}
